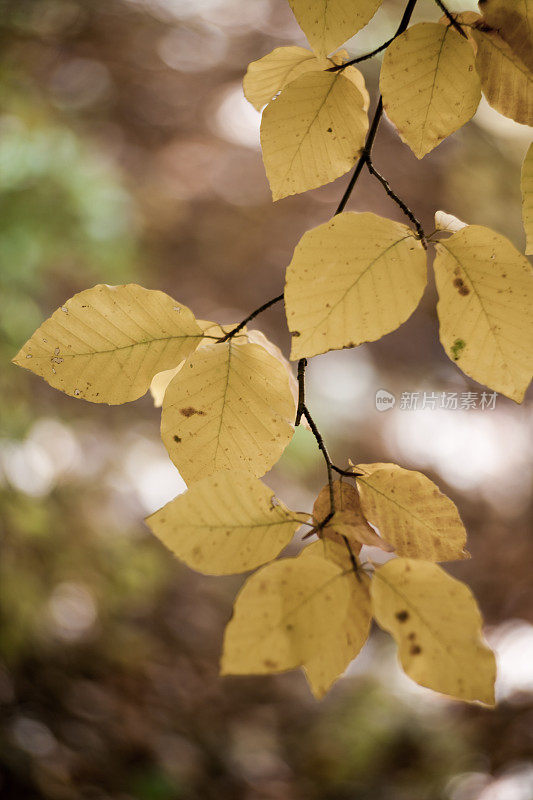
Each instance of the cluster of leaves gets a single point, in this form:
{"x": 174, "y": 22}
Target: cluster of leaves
{"x": 230, "y": 402}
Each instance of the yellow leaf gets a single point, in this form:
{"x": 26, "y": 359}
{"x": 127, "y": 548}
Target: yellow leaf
{"x": 348, "y": 520}
{"x": 346, "y": 635}
{"x": 267, "y": 76}
{"x": 314, "y": 131}
{"x": 329, "y": 23}
{"x": 429, "y": 85}
{"x": 211, "y": 331}
{"x": 513, "y": 19}
{"x": 411, "y": 513}
{"x": 106, "y": 343}
{"x": 485, "y": 309}
{"x": 506, "y": 81}
{"x": 225, "y": 523}
{"x": 306, "y": 611}
{"x": 352, "y": 280}
{"x": 527, "y": 198}
{"x": 230, "y": 407}
{"x": 437, "y": 625}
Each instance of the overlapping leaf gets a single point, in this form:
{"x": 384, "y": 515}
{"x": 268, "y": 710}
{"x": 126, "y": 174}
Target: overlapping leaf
{"x": 314, "y": 131}
{"x": 411, "y": 513}
{"x": 307, "y": 611}
{"x": 106, "y": 343}
{"x": 513, "y": 19}
{"x": 527, "y": 198}
{"x": 346, "y": 635}
{"x": 225, "y": 523}
{"x": 329, "y": 23}
{"x": 229, "y": 407}
{"x": 429, "y": 85}
{"x": 506, "y": 80}
{"x": 352, "y": 280}
{"x": 485, "y": 309}
{"x": 437, "y": 625}
{"x": 348, "y": 520}
{"x": 267, "y": 76}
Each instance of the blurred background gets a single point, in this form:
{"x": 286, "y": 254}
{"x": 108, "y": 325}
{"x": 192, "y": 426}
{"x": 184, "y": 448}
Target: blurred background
{"x": 128, "y": 153}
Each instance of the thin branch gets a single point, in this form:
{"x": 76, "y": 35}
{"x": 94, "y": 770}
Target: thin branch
{"x": 347, "y": 473}
{"x": 340, "y": 67}
{"x": 451, "y": 18}
{"x": 251, "y": 316}
{"x": 367, "y": 150}
{"x": 405, "y": 208}
{"x": 302, "y": 364}
{"x": 363, "y": 157}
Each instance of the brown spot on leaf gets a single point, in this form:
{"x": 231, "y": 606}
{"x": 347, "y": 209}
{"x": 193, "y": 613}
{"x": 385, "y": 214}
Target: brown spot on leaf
{"x": 190, "y": 411}
{"x": 270, "y": 664}
{"x": 402, "y": 616}
{"x": 415, "y": 650}
{"x": 176, "y": 438}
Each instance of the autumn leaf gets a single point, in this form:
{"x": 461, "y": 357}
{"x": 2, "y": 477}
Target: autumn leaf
{"x": 288, "y": 611}
{"x": 230, "y": 407}
{"x": 225, "y": 523}
{"x": 314, "y": 131}
{"x": 437, "y": 625}
{"x": 485, "y": 309}
{"x": 348, "y": 520}
{"x": 411, "y": 513}
{"x": 506, "y": 80}
{"x": 352, "y": 280}
{"x": 527, "y": 198}
{"x": 513, "y": 19}
{"x": 347, "y": 634}
{"x": 329, "y": 23}
{"x": 106, "y": 343}
{"x": 268, "y": 76}
{"x": 429, "y": 85}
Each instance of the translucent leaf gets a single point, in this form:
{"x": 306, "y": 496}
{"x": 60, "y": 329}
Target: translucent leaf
{"x": 437, "y": 625}
{"x": 307, "y": 611}
{"x": 527, "y": 198}
{"x": 314, "y": 131}
{"x": 352, "y": 280}
{"x": 329, "y": 23}
{"x": 411, "y": 513}
{"x": 345, "y": 636}
{"x": 513, "y": 19}
{"x": 106, "y": 343}
{"x": 225, "y": 523}
{"x": 429, "y": 85}
{"x": 506, "y": 81}
{"x": 267, "y": 76}
{"x": 485, "y": 309}
{"x": 211, "y": 330}
{"x": 230, "y": 407}
{"x": 348, "y": 519}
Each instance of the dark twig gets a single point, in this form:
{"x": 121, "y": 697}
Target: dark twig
{"x": 251, "y": 316}
{"x": 340, "y": 67}
{"x": 363, "y": 157}
{"x": 302, "y": 364}
{"x": 367, "y": 150}
{"x": 451, "y": 18}
{"x": 405, "y": 208}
